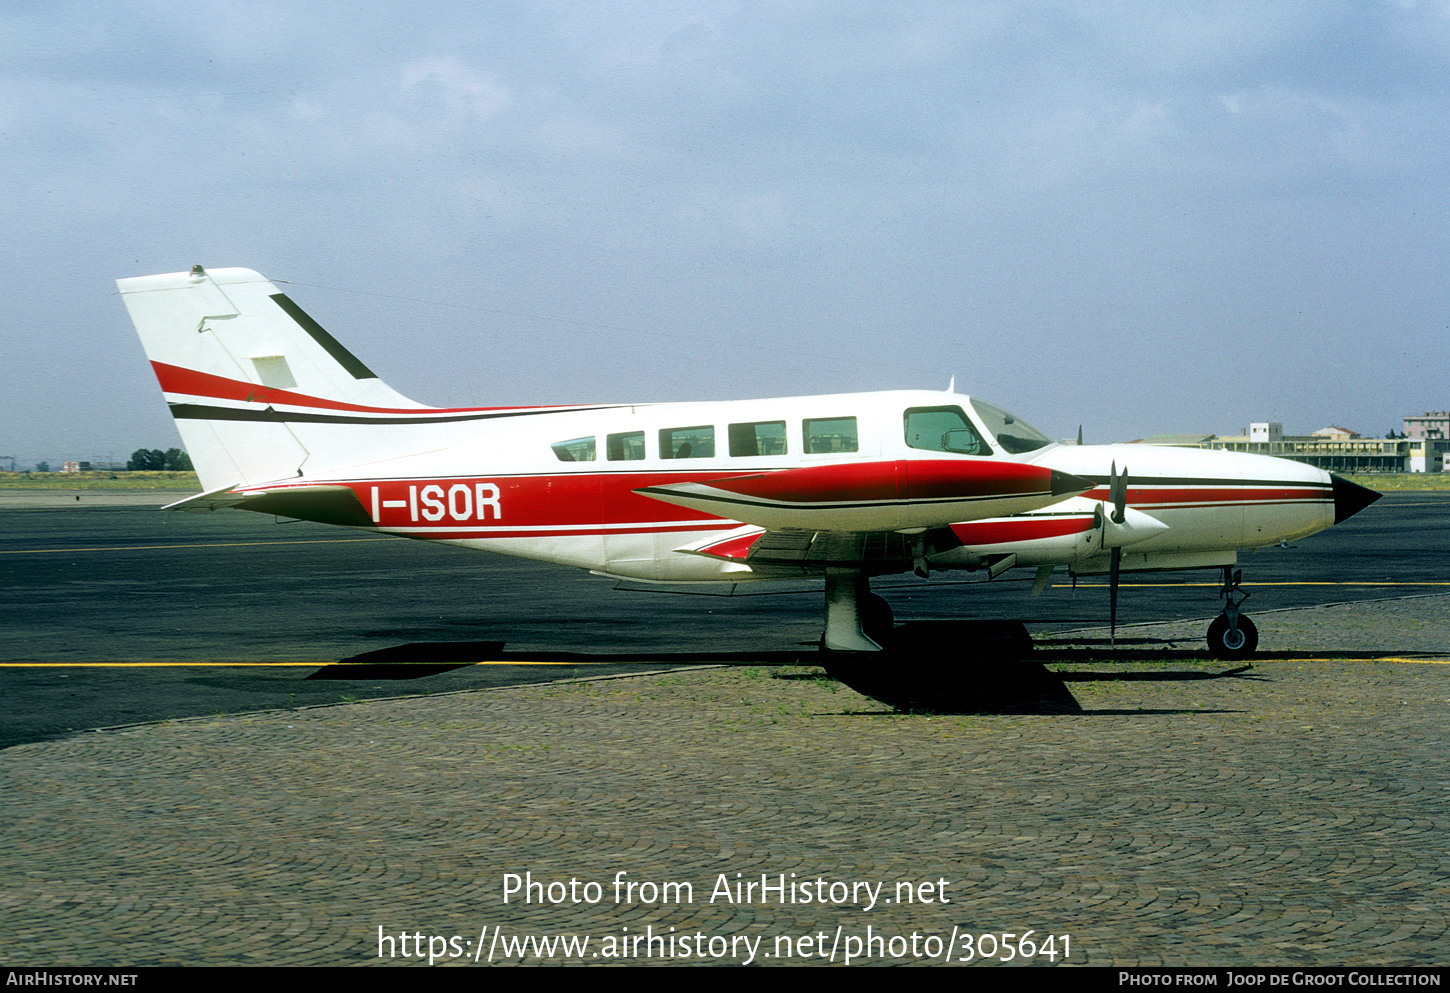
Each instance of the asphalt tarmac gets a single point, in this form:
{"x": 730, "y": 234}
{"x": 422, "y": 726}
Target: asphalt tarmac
{"x": 1141, "y": 806}
{"x": 112, "y": 613}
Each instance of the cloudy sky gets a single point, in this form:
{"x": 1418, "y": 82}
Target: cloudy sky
{"x": 1136, "y": 217}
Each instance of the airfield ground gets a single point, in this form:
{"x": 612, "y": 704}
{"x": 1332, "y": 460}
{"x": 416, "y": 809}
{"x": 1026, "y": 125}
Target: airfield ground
{"x": 1140, "y": 806}
{"x": 1179, "y": 814}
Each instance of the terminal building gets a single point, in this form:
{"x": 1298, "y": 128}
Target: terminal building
{"x": 1336, "y": 449}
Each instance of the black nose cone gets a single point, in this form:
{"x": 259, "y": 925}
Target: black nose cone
{"x": 1350, "y": 498}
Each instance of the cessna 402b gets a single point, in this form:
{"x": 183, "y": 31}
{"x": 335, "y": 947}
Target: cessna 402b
{"x": 279, "y": 417}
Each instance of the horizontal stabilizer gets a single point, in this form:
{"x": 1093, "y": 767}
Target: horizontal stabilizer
{"x": 218, "y": 499}
{"x": 325, "y": 504}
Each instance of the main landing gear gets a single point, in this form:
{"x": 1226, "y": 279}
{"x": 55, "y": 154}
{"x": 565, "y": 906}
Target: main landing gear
{"x": 857, "y": 620}
{"x": 1232, "y": 635}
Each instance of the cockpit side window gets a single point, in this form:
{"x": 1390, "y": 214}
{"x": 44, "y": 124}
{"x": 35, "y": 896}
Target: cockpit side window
{"x": 1013, "y": 434}
{"x": 943, "y": 429}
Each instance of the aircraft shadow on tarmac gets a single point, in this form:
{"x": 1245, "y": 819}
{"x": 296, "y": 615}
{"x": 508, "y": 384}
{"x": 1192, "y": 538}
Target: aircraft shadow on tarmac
{"x": 962, "y": 667}
{"x": 428, "y": 658}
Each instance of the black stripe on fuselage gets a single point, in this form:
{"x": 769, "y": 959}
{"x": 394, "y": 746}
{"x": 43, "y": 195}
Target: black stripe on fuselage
{"x": 207, "y": 412}
{"x": 1146, "y": 481}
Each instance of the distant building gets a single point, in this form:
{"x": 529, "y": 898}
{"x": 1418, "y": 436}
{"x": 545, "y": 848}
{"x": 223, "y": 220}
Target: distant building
{"x": 1333, "y": 449}
{"x": 75, "y": 467}
{"x": 1177, "y": 440}
{"x": 1431, "y": 424}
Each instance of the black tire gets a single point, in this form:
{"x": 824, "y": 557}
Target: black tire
{"x": 1227, "y": 644}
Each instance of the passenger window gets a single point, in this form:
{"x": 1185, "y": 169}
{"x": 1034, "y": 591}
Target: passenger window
{"x": 830, "y": 434}
{"x": 574, "y": 450}
{"x": 759, "y": 438}
{"x": 688, "y": 443}
{"x": 943, "y": 429}
{"x": 625, "y": 447}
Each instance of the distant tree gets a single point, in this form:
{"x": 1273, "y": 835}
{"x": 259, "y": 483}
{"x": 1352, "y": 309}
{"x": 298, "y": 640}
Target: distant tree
{"x": 147, "y": 460}
{"x": 155, "y": 460}
{"x": 42, "y": 467}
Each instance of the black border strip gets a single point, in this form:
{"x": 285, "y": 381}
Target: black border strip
{"x": 206, "y": 412}
{"x": 319, "y": 334}
{"x": 1137, "y": 482}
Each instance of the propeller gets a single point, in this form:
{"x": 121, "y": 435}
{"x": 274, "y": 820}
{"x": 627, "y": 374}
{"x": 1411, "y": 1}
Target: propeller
{"x": 1118, "y": 494}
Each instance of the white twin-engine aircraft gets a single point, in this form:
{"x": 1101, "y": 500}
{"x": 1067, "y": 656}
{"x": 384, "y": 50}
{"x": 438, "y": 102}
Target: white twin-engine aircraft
{"x": 278, "y": 417}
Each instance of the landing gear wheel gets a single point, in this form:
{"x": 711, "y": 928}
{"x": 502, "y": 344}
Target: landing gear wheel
{"x": 1227, "y": 643}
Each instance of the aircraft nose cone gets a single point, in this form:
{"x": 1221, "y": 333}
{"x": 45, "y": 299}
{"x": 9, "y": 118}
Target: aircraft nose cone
{"x": 1350, "y": 498}
{"x": 1065, "y": 483}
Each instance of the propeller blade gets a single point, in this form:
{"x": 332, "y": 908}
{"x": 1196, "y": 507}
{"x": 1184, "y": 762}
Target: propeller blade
{"x": 1118, "y": 493}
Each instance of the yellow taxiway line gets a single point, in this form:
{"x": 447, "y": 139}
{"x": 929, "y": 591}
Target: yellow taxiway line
{"x": 275, "y": 665}
{"x": 1295, "y": 582}
{"x": 462, "y": 665}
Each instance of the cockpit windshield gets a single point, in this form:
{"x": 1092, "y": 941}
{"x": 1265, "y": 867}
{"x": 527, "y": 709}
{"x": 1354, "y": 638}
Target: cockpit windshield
{"x": 1014, "y": 435}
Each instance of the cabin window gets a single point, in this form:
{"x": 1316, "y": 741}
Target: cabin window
{"x": 943, "y": 429}
{"x": 757, "y": 438}
{"x": 628, "y": 446}
{"x": 688, "y": 443}
{"x": 574, "y": 450}
{"x": 830, "y": 434}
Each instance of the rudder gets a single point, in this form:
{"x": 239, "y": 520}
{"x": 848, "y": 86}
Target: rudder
{"x": 237, "y": 360}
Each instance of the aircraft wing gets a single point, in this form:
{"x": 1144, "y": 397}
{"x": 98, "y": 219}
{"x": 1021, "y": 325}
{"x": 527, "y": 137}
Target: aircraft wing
{"x": 803, "y": 548}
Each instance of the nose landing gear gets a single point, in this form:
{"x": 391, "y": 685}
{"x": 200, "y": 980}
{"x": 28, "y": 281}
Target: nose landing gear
{"x": 1232, "y": 635}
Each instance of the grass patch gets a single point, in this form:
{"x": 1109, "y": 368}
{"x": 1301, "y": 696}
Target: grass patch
{"x": 183, "y": 481}
{"x": 1400, "y": 482}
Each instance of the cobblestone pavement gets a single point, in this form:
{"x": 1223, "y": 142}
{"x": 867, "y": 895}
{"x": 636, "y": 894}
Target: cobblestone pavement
{"x": 1181, "y": 813}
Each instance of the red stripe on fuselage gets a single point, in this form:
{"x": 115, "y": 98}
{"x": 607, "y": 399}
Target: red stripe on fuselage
{"x": 600, "y": 499}
{"x": 189, "y": 382}
{"x": 601, "y": 502}
{"x": 453, "y": 532}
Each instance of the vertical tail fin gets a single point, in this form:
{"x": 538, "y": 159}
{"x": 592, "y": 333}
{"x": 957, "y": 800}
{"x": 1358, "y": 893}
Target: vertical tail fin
{"x": 257, "y": 387}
